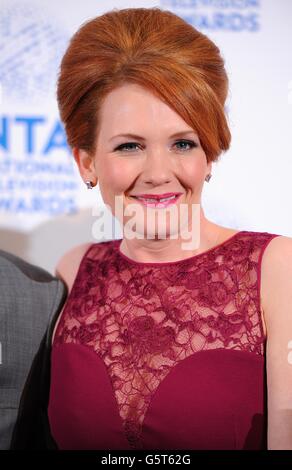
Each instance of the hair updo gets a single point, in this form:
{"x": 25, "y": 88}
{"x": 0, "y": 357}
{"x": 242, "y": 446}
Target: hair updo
{"x": 155, "y": 49}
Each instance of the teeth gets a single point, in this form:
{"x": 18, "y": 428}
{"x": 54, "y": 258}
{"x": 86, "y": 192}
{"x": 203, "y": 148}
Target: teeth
{"x": 149, "y": 200}
{"x": 167, "y": 198}
{"x": 157, "y": 200}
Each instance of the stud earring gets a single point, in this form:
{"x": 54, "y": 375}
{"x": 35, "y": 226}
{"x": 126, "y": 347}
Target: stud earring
{"x": 89, "y": 184}
{"x": 208, "y": 177}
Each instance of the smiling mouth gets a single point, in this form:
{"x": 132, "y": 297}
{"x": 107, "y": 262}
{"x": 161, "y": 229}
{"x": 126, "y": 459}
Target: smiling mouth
{"x": 159, "y": 203}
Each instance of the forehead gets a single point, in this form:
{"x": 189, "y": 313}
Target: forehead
{"x": 133, "y": 105}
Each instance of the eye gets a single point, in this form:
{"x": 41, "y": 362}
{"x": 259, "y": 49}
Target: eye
{"x": 190, "y": 143}
{"x": 122, "y": 146}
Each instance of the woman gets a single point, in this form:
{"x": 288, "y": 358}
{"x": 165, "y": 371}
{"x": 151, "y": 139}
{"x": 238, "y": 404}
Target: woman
{"x": 161, "y": 347}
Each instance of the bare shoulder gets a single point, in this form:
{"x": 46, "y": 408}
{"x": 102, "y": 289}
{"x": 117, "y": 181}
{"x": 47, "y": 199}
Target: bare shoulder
{"x": 276, "y": 254}
{"x": 277, "y": 299}
{"x": 67, "y": 269}
{"x": 69, "y": 263}
{"x": 276, "y": 271}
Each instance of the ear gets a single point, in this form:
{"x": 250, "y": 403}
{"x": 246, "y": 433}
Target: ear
{"x": 85, "y": 163}
{"x": 209, "y": 168}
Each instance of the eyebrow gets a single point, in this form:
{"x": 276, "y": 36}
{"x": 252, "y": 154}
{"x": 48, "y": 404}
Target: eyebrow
{"x": 134, "y": 136}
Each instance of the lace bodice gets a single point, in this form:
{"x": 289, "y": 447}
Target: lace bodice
{"x": 142, "y": 319}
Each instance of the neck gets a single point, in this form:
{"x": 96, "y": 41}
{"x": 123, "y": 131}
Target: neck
{"x": 167, "y": 250}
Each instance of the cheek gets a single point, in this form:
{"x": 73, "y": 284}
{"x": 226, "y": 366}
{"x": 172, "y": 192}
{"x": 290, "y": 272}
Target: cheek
{"x": 193, "y": 170}
{"x": 116, "y": 176}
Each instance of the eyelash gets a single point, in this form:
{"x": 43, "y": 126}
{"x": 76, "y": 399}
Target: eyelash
{"x": 189, "y": 142}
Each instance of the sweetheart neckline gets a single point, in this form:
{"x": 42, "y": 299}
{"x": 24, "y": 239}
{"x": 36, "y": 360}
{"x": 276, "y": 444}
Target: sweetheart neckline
{"x": 97, "y": 356}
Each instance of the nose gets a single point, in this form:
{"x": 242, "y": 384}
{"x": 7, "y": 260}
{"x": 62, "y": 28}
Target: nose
{"x": 157, "y": 169}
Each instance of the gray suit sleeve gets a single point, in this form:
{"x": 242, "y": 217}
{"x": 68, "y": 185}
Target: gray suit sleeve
{"x": 29, "y": 297}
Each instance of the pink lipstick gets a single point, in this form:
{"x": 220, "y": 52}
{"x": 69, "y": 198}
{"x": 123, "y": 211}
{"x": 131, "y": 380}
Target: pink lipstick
{"x": 158, "y": 200}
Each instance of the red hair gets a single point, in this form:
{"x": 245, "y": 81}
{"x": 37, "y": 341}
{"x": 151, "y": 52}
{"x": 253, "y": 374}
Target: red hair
{"x": 155, "y": 49}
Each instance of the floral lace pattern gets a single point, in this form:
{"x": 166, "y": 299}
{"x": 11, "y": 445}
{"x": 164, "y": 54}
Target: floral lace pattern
{"x": 144, "y": 318}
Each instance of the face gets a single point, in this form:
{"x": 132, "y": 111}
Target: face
{"x": 156, "y": 162}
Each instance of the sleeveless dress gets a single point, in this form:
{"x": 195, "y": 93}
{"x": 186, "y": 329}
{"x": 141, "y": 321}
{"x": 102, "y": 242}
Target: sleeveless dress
{"x": 164, "y": 355}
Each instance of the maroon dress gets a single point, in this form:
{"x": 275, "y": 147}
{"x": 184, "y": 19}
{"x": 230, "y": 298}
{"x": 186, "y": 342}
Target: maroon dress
{"x": 162, "y": 355}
